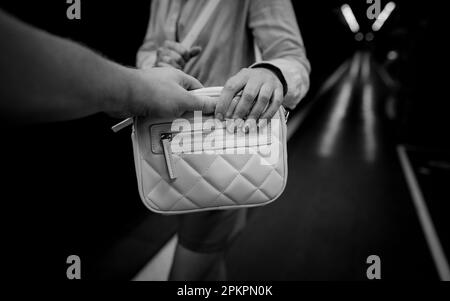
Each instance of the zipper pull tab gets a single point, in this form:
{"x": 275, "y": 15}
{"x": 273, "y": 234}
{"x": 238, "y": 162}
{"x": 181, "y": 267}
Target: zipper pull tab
{"x": 166, "y": 138}
{"x": 121, "y": 125}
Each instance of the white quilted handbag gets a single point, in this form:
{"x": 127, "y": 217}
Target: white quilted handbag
{"x": 194, "y": 164}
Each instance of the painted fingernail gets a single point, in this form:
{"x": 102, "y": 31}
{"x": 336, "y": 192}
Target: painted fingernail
{"x": 219, "y": 116}
{"x": 246, "y": 128}
{"x": 262, "y": 123}
{"x": 231, "y": 126}
{"x": 250, "y": 125}
{"x": 240, "y": 123}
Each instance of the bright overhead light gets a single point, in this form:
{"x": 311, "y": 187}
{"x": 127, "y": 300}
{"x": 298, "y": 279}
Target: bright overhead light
{"x": 350, "y": 18}
{"x": 383, "y": 16}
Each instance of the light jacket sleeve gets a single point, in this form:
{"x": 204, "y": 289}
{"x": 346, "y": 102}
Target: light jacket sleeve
{"x": 146, "y": 55}
{"x": 277, "y": 35}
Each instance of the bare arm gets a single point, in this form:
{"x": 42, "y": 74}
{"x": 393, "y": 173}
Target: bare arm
{"x": 47, "y": 78}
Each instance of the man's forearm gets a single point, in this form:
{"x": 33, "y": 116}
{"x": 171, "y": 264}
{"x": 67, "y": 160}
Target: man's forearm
{"x": 36, "y": 84}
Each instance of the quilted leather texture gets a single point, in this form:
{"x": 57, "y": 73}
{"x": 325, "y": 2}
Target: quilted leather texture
{"x": 207, "y": 181}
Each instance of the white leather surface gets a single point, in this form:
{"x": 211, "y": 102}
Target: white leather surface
{"x": 207, "y": 181}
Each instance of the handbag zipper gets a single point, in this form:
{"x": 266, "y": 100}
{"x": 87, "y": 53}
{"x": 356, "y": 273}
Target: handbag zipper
{"x": 166, "y": 138}
{"x": 166, "y": 144}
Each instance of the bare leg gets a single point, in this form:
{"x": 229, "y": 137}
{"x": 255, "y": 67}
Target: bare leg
{"x": 195, "y": 266}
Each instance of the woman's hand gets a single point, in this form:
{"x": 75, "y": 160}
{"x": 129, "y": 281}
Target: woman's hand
{"x": 261, "y": 98}
{"x": 175, "y": 55}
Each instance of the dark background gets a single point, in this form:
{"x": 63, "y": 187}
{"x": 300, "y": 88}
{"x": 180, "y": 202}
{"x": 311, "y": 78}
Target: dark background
{"x": 69, "y": 188}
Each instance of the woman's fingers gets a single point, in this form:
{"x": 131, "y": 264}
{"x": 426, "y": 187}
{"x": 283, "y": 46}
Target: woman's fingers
{"x": 261, "y": 97}
{"x": 233, "y": 86}
{"x": 264, "y": 97}
{"x": 248, "y": 97}
{"x": 175, "y": 54}
{"x": 195, "y": 51}
{"x": 178, "y": 48}
{"x": 277, "y": 101}
{"x": 170, "y": 57}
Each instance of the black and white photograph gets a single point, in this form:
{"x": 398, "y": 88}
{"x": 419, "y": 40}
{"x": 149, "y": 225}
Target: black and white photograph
{"x": 219, "y": 148}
